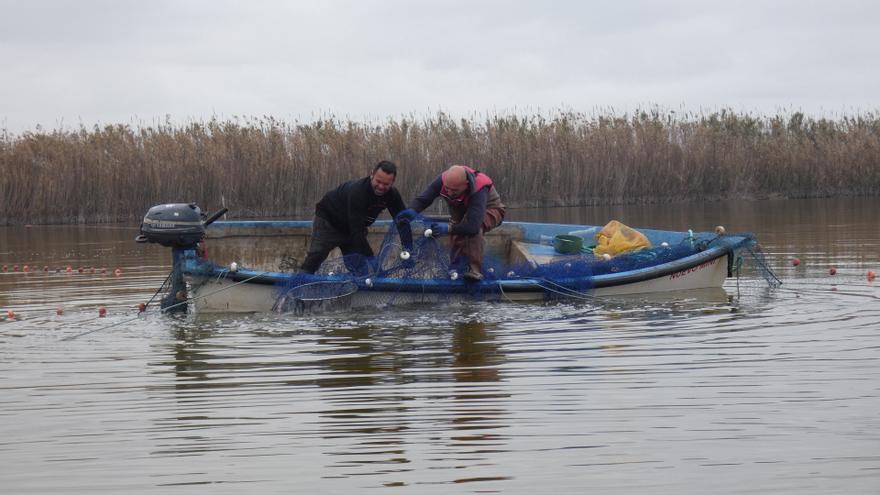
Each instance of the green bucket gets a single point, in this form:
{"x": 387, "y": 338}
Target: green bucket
{"x": 568, "y": 244}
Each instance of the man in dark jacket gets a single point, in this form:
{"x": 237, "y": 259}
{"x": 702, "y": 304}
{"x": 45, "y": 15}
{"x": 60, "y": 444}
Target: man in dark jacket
{"x": 343, "y": 215}
{"x": 475, "y": 208}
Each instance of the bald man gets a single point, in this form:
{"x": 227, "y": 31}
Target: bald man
{"x": 475, "y": 208}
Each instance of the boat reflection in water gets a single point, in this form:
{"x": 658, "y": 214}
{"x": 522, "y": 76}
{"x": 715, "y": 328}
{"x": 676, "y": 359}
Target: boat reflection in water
{"x": 372, "y": 399}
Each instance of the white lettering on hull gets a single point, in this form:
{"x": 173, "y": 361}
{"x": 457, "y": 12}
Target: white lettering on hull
{"x": 693, "y": 269}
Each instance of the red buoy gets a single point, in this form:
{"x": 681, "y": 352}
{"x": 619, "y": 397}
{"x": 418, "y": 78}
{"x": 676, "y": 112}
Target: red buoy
{"x": 102, "y": 312}
{"x": 141, "y": 307}
{"x": 871, "y": 276}
{"x": 832, "y": 271}
{"x": 795, "y": 262}
{"x": 59, "y": 311}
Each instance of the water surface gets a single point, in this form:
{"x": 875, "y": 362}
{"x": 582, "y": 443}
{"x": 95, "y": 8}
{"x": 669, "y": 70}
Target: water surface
{"x": 744, "y": 390}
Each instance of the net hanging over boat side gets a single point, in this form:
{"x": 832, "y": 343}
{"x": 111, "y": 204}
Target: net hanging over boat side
{"x": 316, "y": 297}
{"x": 428, "y": 275}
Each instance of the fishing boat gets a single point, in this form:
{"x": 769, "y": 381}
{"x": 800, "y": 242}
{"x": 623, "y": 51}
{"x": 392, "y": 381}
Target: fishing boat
{"x": 251, "y": 266}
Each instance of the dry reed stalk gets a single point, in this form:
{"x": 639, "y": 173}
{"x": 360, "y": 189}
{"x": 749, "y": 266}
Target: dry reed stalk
{"x": 262, "y": 167}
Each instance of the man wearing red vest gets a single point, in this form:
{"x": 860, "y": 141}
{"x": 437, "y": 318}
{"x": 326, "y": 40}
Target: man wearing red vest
{"x": 475, "y": 208}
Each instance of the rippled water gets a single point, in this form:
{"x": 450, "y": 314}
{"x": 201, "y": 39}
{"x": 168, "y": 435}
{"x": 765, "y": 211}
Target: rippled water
{"x": 745, "y": 390}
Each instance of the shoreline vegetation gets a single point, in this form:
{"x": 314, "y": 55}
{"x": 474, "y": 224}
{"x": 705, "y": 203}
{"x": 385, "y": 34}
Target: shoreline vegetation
{"x": 264, "y": 167}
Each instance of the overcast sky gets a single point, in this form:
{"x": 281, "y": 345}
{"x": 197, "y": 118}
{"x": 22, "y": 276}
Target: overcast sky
{"x": 66, "y": 63}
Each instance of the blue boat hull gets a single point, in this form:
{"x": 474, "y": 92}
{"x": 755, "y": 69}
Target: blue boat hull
{"x": 217, "y": 285}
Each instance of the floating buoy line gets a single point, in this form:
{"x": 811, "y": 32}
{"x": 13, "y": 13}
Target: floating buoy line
{"x": 12, "y": 315}
{"x": 67, "y": 269}
{"x": 141, "y": 308}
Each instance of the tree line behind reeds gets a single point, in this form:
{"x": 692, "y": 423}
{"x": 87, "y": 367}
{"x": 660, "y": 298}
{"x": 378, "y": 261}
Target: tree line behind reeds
{"x": 269, "y": 168}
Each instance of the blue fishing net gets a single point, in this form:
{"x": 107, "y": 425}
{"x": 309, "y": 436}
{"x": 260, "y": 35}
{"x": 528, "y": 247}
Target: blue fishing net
{"x": 316, "y": 296}
{"x": 428, "y": 275}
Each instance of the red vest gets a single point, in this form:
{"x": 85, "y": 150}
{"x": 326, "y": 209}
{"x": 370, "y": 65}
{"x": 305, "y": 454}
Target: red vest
{"x": 479, "y": 181}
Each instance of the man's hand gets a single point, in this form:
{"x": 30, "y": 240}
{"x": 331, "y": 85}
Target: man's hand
{"x": 438, "y": 229}
{"x": 406, "y": 215}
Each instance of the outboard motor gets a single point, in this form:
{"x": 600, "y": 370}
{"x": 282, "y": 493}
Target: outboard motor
{"x": 180, "y": 226}
{"x": 176, "y": 225}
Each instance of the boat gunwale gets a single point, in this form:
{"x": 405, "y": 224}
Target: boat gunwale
{"x": 208, "y": 269}
{"x": 531, "y": 231}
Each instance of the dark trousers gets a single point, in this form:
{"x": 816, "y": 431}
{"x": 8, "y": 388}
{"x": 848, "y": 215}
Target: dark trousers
{"x": 325, "y": 238}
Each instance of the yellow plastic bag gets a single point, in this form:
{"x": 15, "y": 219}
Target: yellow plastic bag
{"x": 616, "y": 238}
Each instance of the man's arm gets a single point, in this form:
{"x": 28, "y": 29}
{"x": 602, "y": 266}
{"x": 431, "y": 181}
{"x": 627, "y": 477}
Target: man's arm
{"x": 396, "y": 204}
{"x": 473, "y": 218}
{"x": 403, "y": 228}
{"x": 424, "y": 200}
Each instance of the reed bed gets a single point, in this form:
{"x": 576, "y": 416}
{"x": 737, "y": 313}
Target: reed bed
{"x": 263, "y": 167}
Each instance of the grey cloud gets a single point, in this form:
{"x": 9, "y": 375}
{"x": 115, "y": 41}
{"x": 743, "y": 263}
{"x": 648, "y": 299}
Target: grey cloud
{"x": 108, "y": 61}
